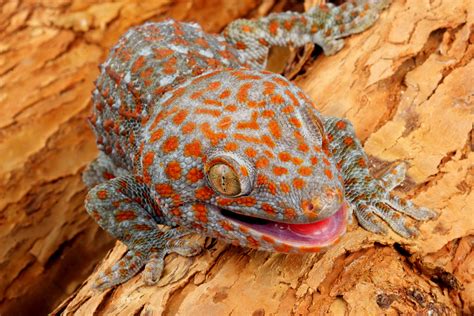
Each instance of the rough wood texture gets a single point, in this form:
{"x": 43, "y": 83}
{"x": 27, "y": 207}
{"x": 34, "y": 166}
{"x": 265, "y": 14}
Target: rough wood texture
{"x": 407, "y": 85}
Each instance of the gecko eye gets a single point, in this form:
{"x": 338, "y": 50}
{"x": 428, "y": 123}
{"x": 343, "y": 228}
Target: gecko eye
{"x": 229, "y": 175}
{"x": 224, "y": 180}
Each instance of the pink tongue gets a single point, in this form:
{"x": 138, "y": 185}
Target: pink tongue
{"x": 307, "y": 229}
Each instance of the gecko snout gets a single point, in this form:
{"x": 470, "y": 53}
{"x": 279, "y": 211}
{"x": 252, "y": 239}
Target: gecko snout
{"x": 323, "y": 205}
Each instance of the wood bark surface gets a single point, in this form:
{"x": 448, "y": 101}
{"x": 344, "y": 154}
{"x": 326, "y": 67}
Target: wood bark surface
{"x": 407, "y": 84}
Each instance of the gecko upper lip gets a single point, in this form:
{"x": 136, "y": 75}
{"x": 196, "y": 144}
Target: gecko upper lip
{"x": 318, "y": 234}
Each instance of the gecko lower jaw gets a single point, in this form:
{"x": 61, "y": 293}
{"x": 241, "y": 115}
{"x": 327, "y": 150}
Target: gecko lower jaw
{"x": 322, "y": 233}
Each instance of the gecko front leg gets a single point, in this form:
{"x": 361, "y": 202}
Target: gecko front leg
{"x": 372, "y": 198}
{"x": 123, "y": 207}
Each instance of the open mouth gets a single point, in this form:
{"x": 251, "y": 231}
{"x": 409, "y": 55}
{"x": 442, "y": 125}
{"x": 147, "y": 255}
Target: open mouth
{"x": 318, "y": 234}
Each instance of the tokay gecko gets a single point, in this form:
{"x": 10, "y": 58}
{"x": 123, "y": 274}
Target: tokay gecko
{"x": 194, "y": 135}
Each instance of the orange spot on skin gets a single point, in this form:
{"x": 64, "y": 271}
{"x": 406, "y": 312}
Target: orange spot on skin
{"x": 268, "y": 88}
{"x": 243, "y": 229}
{"x": 272, "y": 188}
{"x": 211, "y": 112}
{"x": 173, "y": 170}
{"x": 292, "y": 97}
{"x": 240, "y": 45}
{"x": 226, "y": 225}
{"x": 138, "y": 63}
{"x": 125, "y": 216}
{"x": 269, "y": 154}
{"x": 156, "y": 135}
{"x": 252, "y": 242}
{"x": 170, "y": 144}
{"x": 212, "y": 102}
{"x": 194, "y": 175}
{"x": 215, "y": 138}
{"x": 287, "y": 109}
{"x": 314, "y": 160}
{"x": 274, "y": 129}
{"x": 297, "y": 161}
{"x": 328, "y": 173}
{"x": 231, "y": 146}
{"x": 305, "y": 249}
{"x": 225, "y": 94}
{"x": 288, "y": 24}
{"x": 164, "y": 189}
{"x": 106, "y": 175}
{"x": 303, "y": 147}
{"x": 231, "y": 108}
{"x": 326, "y": 162}
{"x": 267, "y": 208}
{"x": 204, "y": 193}
{"x": 268, "y": 113}
{"x": 295, "y": 122}
{"x": 283, "y": 248}
{"x": 188, "y": 127}
{"x": 298, "y": 183}
{"x": 245, "y": 201}
{"x": 193, "y": 149}
{"x": 224, "y": 201}
{"x": 224, "y": 123}
{"x": 242, "y": 94}
{"x": 273, "y": 27}
{"x": 200, "y": 212}
{"x": 148, "y": 159}
{"x": 279, "y": 171}
{"x": 180, "y": 117}
{"x": 281, "y": 81}
{"x": 268, "y": 239}
{"x": 102, "y": 194}
{"x": 213, "y": 85}
{"x": 362, "y": 163}
{"x": 285, "y": 188}
{"x": 277, "y": 99}
{"x": 246, "y": 138}
{"x": 246, "y": 28}
{"x": 348, "y": 141}
{"x": 262, "y": 162}
{"x": 250, "y": 152}
{"x": 267, "y": 140}
{"x": 244, "y": 171}
{"x": 290, "y": 213}
{"x": 263, "y": 42}
{"x": 305, "y": 171}
{"x": 284, "y": 156}
{"x": 197, "y": 94}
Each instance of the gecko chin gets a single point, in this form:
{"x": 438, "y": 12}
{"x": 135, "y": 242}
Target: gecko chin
{"x": 322, "y": 233}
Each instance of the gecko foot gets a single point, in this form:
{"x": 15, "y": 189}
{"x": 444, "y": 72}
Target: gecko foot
{"x": 151, "y": 257}
{"x": 155, "y": 265}
{"x": 391, "y": 208}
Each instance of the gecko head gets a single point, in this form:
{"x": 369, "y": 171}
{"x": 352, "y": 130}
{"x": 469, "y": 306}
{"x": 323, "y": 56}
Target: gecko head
{"x": 247, "y": 161}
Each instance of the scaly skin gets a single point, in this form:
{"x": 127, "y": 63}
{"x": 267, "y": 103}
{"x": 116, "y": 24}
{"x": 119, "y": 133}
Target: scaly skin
{"x": 176, "y": 109}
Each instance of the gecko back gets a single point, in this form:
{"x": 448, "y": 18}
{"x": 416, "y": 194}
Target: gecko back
{"x": 148, "y": 61}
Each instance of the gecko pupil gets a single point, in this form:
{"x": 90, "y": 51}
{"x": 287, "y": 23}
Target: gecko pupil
{"x": 224, "y": 180}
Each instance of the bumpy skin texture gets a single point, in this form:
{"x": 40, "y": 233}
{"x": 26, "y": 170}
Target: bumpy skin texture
{"x": 173, "y": 102}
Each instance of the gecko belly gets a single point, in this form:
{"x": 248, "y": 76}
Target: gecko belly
{"x": 317, "y": 234}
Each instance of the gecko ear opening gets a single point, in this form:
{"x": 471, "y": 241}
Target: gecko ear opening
{"x": 318, "y": 125}
{"x": 229, "y": 174}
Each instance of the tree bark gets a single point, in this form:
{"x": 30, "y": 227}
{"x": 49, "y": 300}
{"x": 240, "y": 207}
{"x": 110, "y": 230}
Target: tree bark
{"x": 407, "y": 84}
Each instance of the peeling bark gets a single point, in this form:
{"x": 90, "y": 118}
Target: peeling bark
{"x": 406, "y": 84}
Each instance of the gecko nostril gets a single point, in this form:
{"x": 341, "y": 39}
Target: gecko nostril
{"x": 310, "y": 206}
